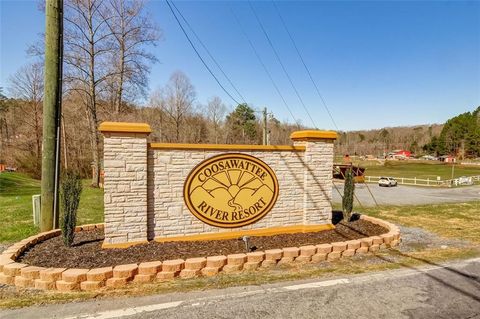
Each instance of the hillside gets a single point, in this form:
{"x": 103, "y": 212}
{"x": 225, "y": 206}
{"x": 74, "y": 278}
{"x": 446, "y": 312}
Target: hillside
{"x": 378, "y": 141}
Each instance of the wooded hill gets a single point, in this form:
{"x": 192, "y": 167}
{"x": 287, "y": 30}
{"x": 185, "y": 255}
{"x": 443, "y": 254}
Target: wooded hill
{"x": 379, "y": 141}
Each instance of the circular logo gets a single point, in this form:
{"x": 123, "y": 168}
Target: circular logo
{"x": 231, "y": 190}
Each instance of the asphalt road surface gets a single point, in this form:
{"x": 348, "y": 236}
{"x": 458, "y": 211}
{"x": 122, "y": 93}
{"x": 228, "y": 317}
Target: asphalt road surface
{"x": 450, "y": 291}
{"x": 409, "y": 195}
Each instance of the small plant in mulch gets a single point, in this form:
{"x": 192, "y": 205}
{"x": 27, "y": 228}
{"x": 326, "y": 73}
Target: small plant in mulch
{"x": 71, "y": 189}
{"x": 348, "y": 193}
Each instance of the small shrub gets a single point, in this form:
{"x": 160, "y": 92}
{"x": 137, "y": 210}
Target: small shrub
{"x": 71, "y": 189}
{"x": 348, "y": 192}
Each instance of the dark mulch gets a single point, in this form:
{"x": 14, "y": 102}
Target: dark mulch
{"x": 87, "y": 251}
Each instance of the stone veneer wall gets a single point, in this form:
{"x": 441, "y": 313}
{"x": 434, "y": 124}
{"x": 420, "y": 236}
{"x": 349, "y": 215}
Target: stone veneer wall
{"x": 137, "y": 210}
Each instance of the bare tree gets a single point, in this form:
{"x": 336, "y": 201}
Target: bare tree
{"x": 176, "y": 100}
{"x": 26, "y": 85}
{"x": 133, "y": 31}
{"x": 87, "y": 55}
{"x": 216, "y": 111}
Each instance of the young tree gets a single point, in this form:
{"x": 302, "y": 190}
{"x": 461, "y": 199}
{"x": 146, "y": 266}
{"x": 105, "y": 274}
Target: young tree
{"x": 133, "y": 31}
{"x": 176, "y": 100}
{"x": 348, "y": 192}
{"x": 87, "y": 57}
{"x": 70, "y": 196}
{"x": 216, "y": 110}
{"x": 26, "y": 85}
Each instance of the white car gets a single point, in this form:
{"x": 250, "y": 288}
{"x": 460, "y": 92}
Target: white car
{"x": 387, "y": 181}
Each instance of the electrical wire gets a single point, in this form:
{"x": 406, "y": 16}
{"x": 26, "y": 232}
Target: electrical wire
{"x": 198, "y": 54}
{"x": 264, "y": 67}
{"x": 208, "y": 52}
{"x": 305, "y": 65}
{"x": 281, "y": 63}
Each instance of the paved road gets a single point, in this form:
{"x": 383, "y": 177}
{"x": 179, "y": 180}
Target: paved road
{"x": 450, "y": 291}
{"x": 410, "y": 195}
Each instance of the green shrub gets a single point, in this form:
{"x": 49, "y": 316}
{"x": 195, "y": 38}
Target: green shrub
{"x": 348, "y": 192}
{"x": 70, "y": 198}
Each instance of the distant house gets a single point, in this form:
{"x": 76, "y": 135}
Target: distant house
{"x": 447, "y": 159}
{"x": 399, "y": 154}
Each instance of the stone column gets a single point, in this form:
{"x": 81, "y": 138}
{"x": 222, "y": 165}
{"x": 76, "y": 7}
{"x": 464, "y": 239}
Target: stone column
{"x": 318, "y": 183}
{"x": 125, "y": 188}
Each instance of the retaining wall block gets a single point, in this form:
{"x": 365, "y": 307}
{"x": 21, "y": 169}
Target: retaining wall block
{"x": 255, "y": 257}
{"x": 387, "y": 238}
{"x": 339, "y": 247}
{"x": 195, "y": 263}
{"x": 303, "y": 259}
{"x": 13, "y": 269}
{"x": 144, "y": 277}
{"x": 229, "y": 268}
{"x": 273, "y": 254}
{"x": 4, "y": 260}
{"x": 291, "y": 252}
{"x": 100, "y": 274}
{"x": 31, "y": 272}
{"x": 44, "y": 285}
{"x": 251, "y": 265}
{"x": 166, "y": 275}
{"x": 348, "y": 253}
{"x": 377, "y": 240}
{"x": 334, "y": 255}
{"x": 190, "y": 273}
{"x": 175, "y": 265}
{"x": 23, "y": 282}
{"x": 6, "y": 279}
{"x": 149, "y": 268}
{"x": 63, "y": 285}
{"x": 125, "y": 271}
{"x": 91, "y": 285}
{"x": 52, "y": 274}
{"x": 216, "y": 261}
{"x": 324, "y": 248}
{"x": 353, "y": 244}
{"x": 319, "y": 257}
{"x": 366, "y": 242}
{"x": 116, "y": 282}
{"x": 210, "y": 271}
{"x": 362, "y": 250}
{"x": 308, "y": 251}
{"x": 236, "y": 259}
{"x": 75, "y": 275}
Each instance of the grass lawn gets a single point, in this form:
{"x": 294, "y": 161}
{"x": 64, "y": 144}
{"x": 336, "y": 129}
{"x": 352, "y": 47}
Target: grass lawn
{"x": 419, "y": 170}
{"x": 16, "y": 218}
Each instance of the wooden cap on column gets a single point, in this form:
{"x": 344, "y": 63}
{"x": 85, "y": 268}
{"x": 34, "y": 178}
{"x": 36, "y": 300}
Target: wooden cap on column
{"x": 124, "y": 127}
{"x": 313, "y": 135}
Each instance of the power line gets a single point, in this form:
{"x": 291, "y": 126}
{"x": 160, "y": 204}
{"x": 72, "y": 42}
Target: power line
{"x": 305, "y": 65}
{"x": 208, "y": 52}
{"x": 264, "y": 66}
{"x": 198, "y": 54}
{"x": 281, "y": 64}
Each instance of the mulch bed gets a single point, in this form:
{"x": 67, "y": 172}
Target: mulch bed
{"x": 87, "y": 251}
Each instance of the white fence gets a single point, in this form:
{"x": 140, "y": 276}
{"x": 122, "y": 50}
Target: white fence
{"x": 429, "y": 181}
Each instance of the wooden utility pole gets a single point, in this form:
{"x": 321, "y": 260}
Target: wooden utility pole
{"x": 265, "y": 129}
{"x": 51, "y": 113}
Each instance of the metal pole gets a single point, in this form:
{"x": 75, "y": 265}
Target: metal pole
{"x": 51, "y": 111}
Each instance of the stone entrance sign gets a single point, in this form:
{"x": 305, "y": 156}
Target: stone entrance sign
{"x": 169, "y": 192}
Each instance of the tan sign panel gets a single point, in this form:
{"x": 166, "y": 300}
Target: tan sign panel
{"x": 231, "y": 190}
